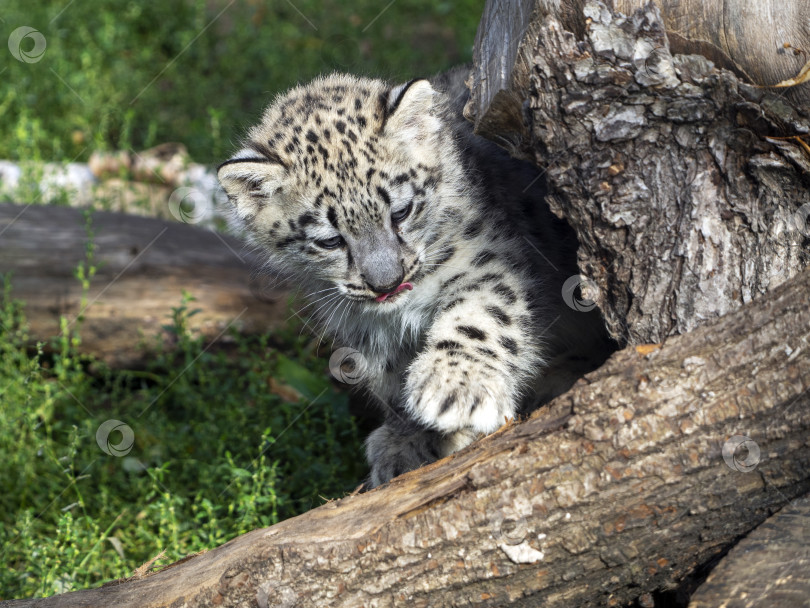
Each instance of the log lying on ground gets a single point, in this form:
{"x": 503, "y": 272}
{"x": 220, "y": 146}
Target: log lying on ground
{"x": 144, "y": 265}
{"x": 769, "y": 567}
{"x": 640, "y": 482}
{"x": 684, "y": 188}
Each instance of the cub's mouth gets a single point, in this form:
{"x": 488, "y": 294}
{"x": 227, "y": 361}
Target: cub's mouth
{"x": 391, "y": 295}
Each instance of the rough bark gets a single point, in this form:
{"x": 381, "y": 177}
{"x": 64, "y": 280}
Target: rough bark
{"x": 769, "y": 567}
{"x": 684, "y": 206}
{"x": 747, "y": 38}
{"x": 618, "y": 489}
{"x": 144, "y": 265}
{"x": 685, "y": 201}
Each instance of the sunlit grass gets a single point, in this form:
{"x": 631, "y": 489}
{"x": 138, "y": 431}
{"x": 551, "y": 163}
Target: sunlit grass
{"x": 216, "y": 451}
{"x": 119, "y": 75}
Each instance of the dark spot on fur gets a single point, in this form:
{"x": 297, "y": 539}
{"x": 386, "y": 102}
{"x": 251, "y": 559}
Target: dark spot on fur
{"x": 500, "y": 316}
{"x": 331, "y": 215}
{"x": 448, "y": 345}
{"x": 384, "y": 195}
{"x": 306, "y": 219}
{"x": 471, "y": 332}
{"x": 482, "y": 258}
{"x": 487, "y": 352}
{"x": 447, "y": 403}
{"x": 509, "y": 344}
{"x": 452, "y": 280}
{"x": 452, "y": 303}
{"x": 287, "y": 242}
{"x": 473, "y": 229}
{"x": 506, "y": 292}
{"x": 445, "y": 255}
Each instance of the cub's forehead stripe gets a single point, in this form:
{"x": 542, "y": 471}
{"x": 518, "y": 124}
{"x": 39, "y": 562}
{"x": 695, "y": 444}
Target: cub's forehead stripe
{"x": 234, "y": 161}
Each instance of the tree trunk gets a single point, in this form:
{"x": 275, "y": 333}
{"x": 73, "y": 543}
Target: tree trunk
{"x": 144, "y": 265}
{"x": 686, "y": 195}
{"x": 686, "y": 208}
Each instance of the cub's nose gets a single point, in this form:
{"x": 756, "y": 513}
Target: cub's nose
{"x": 388, "y": 288}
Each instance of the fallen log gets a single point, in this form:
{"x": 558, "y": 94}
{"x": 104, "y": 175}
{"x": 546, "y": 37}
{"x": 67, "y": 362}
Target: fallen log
{"x": 769, "y": 567}
{"x": 621, "y": 487}
{"x": 143, "y": 267}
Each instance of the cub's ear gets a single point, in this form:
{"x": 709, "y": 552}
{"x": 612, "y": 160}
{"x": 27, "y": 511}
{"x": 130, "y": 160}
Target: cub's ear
{"x": 412, "y": 112}
{"x": 250, "y": 181}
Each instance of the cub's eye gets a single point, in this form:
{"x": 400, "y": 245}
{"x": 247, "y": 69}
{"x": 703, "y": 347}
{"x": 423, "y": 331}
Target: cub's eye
{"x": 333, "y": 243}
{"x": 398, "y": 216}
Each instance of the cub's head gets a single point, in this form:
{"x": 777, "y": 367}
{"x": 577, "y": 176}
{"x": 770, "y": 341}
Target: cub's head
{"x": 347, "y": 183}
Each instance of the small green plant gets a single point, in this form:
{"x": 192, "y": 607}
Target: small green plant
{"x": 224, "y": 438}
{"x": 217, "y": 447}
{"x": 118, "y": 75}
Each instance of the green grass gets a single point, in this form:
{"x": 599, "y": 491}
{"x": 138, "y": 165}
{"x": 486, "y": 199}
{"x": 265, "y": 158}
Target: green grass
{"x": 121, "y": 75}
{"x": 216, "y": 453}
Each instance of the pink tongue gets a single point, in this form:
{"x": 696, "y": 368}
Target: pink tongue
{"x": 382, "y": 298}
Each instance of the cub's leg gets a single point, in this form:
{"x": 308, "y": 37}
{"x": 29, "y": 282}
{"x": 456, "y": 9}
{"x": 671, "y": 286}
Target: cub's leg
{"x": 393, "y": 450}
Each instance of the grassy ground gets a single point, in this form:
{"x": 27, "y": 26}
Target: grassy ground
{"x": 118, "y": 74}
{"x": 222, "y": 441}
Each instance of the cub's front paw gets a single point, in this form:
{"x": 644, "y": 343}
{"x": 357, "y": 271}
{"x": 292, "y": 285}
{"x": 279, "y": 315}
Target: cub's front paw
{"x": 464, "y": 396}
{"x": 391, "y": 454}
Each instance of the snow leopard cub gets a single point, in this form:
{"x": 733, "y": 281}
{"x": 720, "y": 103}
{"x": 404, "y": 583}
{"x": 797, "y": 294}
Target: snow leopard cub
{"x": 425, "y": 248}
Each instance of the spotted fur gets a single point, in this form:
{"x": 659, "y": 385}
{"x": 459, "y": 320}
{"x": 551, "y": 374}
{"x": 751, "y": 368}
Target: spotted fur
{"x": 354, "y": 188}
